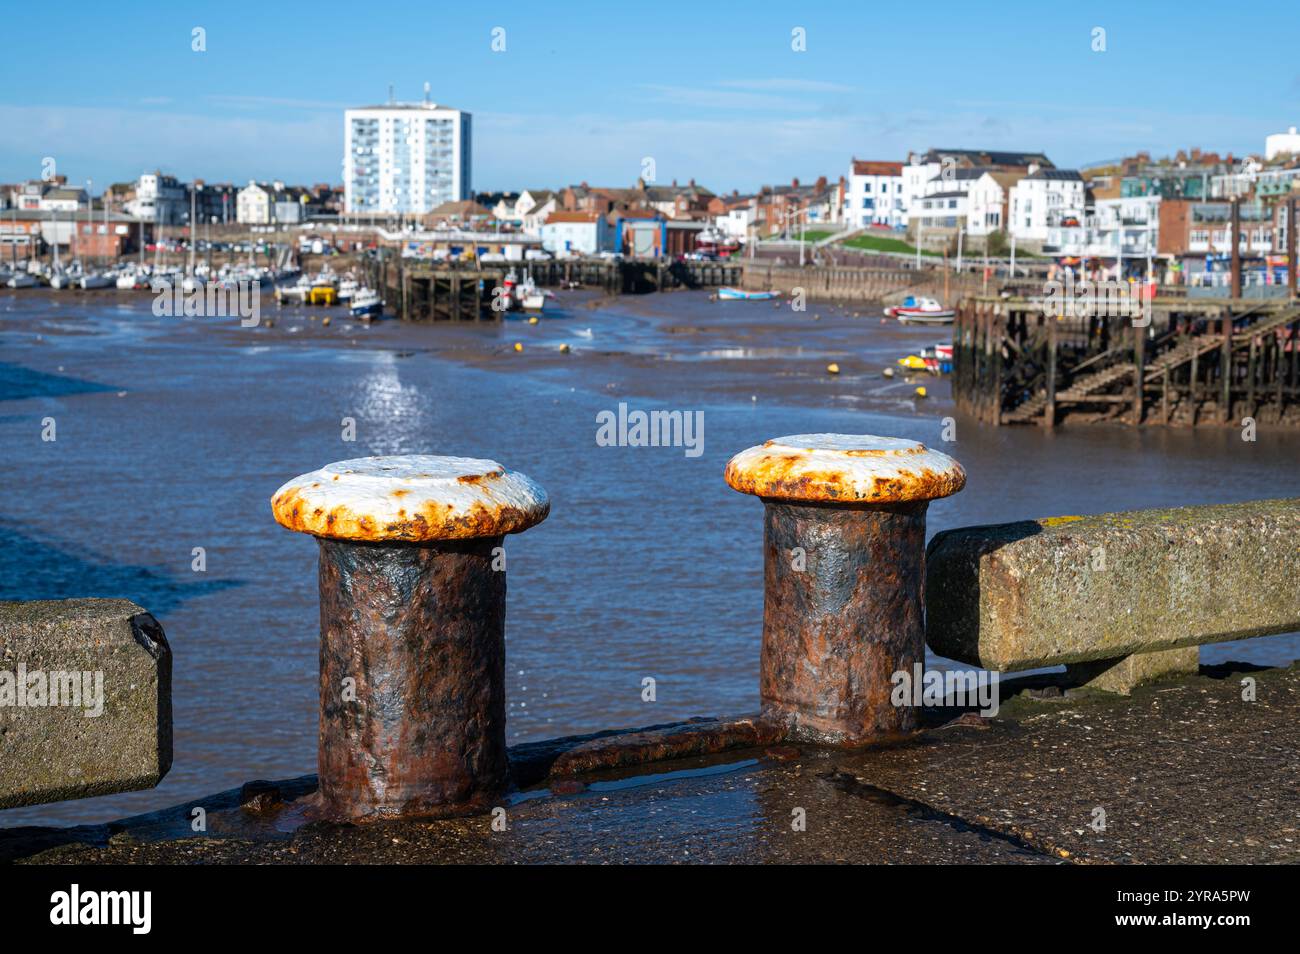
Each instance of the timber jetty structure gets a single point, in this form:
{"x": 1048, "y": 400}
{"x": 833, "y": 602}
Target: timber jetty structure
{"x": 449, "y": 292}
{"x": 1188, "y": 361}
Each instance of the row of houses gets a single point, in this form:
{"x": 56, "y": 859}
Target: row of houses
{"x": 164, "y": 200}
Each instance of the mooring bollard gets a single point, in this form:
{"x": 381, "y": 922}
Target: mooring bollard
{"x": 844, "y": 576}
{"x": 412, "y": 624}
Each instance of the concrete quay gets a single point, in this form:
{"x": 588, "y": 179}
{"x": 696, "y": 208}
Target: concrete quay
{"x": 1182, "y": 771}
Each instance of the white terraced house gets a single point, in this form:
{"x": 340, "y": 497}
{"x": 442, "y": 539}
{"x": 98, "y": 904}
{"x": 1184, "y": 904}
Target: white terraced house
{"x": 405, "y": 158}
{"x": 1045, "y": 200}
{"x": 874, "y": 195}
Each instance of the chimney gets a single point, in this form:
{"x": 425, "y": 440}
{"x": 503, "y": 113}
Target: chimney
{"x": 794, "y": 183}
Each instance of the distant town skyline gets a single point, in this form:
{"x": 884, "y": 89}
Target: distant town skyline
{"x": 585, "y": 91}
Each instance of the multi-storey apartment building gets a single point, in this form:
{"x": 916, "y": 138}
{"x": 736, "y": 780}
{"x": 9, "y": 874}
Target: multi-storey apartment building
{"x": 405, "y": 158}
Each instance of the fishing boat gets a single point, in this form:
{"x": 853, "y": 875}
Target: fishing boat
{"x": 366, "y": 304}
{"x": 528, "y": 296}
{"x": 736, "y": 294}
{"x": 921, "y": 311}
{"x": 348, "y": 287}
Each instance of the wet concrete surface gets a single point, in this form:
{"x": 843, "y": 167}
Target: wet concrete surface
{"x": 1185, "y": 771}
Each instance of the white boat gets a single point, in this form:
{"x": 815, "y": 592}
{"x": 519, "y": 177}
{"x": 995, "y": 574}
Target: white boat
{"x": 95, "y": 280}
{"x": 347, "y": 288}
{"x": 366, "y": 304}
{"x": 528, "y": 296}
{"x": 22, "y": 280}
{"x": 921, "y": 311}
{"x": 736, "y": 294}
{"x": 298, "y": 291}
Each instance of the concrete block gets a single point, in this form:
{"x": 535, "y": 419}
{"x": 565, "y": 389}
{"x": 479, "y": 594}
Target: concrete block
{"x": 1125, "y": 674}
{"x": 1079, "y": 589}
{"x": 85, "y": 700}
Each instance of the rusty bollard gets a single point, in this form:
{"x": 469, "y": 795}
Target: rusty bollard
{"x": 412, "y": 626}
{"x": 844, "y": 577}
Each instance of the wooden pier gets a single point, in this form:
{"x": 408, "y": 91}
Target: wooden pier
{"x": 447, "y": 292}
{"x": 1198, "y": 361}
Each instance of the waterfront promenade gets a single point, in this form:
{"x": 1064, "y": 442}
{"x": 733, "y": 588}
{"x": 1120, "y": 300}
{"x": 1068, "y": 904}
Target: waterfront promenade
{"x": 1183, "y": 771}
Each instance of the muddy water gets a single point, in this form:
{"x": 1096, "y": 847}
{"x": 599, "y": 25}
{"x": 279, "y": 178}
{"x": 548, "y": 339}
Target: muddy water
{"x": 172, "y": 434}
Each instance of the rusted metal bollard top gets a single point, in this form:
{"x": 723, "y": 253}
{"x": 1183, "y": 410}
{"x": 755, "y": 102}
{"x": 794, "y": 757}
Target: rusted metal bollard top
{"x": 412, "y": 498}
{"x": 844, "y": 468}
{"x": 412, "y": 617}
{"x": 844, "y": 576}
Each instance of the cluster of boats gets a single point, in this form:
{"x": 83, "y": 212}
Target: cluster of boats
{"x": 328, "y": 288}
{"x": 129, "y": 276}
{"x": 936, "y": 359}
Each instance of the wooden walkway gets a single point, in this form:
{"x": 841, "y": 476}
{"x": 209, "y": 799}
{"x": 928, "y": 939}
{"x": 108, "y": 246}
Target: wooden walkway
{"x": 1199, "y": 361}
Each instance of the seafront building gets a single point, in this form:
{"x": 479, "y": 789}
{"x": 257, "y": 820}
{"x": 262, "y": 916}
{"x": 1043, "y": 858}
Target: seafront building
{"x": 405, "y": 158}
{"x": 874, "y": 195}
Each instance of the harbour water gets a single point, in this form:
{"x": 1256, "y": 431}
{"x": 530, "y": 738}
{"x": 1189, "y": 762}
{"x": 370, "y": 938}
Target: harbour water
{"x": 173, "y": 433}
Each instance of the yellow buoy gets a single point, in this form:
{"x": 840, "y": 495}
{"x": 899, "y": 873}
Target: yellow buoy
{"x": 532, "y": 319}
{"x": 564, "y": 349}
{"x": 920, "y": 392}
{"x": 518, "y": 346}
{"x": 833, "y": 368}
{"x": 325, "y": 321}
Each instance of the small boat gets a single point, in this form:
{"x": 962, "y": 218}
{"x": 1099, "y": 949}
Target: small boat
{"x": 366, "y": 304}
{"x": 96, "y": 280}
{"x": 348, "y": 287}
{"x": 22, "y": 280}
{"x": 937, "y": 360}
{"x": 921, "y": 311}
{"x": 736, "y": 294}
{"x": 528, "y": 296}
{"x": 322, "y": 295}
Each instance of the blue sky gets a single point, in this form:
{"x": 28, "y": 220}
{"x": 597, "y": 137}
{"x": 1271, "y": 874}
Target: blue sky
{"x": 585, "y": 91}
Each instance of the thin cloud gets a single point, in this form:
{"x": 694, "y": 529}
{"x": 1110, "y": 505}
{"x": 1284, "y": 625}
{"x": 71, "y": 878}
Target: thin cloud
{"x": 790, "y": 86}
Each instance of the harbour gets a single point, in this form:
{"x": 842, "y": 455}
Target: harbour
{"x": 250, "y": 402}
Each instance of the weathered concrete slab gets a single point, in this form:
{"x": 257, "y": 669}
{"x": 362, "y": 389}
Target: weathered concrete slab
{"x": 1072, "y": 589}
{"x": 1195, "y": 770}
{"x": 1127, "y": 673}
{"x": 85, "y": 700}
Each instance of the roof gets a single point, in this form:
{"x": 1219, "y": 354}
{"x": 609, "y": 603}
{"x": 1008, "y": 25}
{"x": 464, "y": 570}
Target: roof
{"x": 1056, "y": 175}
{"x": 870, "y": 167}
{"x": 412, "y": 106}
{"x": 987, "y": 157}
{"x": 559, "y": 217}
{"x": 463, "y": 208}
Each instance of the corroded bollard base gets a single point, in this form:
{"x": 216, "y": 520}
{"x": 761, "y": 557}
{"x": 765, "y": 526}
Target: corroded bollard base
{"x": 842, "y": 613}
{"x": 412, "y": 687}
{"x": 844, "y": 578}
{"x": 412, "y": 627}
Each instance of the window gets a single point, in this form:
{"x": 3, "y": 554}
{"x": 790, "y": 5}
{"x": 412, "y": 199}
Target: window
{"x": 868, "y": 203}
